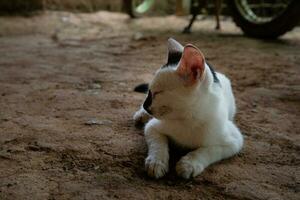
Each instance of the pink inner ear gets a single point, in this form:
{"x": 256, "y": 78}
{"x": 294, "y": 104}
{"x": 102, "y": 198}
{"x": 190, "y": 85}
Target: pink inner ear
{"x": 191, "y": 65}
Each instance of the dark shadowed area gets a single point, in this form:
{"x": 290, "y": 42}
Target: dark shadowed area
{"x": 67, "y": 101}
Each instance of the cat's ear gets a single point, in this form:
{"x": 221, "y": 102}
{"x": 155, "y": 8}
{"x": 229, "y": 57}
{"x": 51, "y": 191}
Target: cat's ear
{"x": 174, "y": 51}
{"x": 191, "y": 66}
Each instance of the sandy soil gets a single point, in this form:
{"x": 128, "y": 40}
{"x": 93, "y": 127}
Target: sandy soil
{"x": 67, "y": 100}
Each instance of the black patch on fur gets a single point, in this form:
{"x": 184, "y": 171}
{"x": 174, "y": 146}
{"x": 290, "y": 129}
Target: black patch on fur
{"x": 148, "y": 102}
{"x": 173, "y": 58}
{"x": 142, "y": 88}
{"x": 216, "y": 80}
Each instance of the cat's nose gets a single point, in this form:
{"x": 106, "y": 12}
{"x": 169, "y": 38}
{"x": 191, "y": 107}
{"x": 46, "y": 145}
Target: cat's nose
{"x": 148, "y": 102}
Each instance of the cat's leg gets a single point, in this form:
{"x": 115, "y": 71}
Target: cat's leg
{"x": 140, "y": 117}
{"x": 157, "y": 161}
{"x": 196, "y": 161}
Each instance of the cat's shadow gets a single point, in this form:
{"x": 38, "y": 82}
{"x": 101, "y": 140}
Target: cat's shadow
{"x": 176, "y": 153}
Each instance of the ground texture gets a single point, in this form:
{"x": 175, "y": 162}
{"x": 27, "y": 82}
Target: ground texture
{"x": 67, "y": 100}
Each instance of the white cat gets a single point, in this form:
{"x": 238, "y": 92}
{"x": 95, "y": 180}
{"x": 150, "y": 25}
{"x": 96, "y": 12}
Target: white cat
{"x": 192, "y": 105}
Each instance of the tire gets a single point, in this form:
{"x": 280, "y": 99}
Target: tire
{"x": 133, "y": 10}
{"x": 284, "y": 22}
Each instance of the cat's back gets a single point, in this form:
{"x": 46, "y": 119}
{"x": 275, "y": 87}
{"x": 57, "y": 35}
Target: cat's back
{"x": 227, "y": 93}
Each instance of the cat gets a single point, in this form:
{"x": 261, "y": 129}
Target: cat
{"x": 192, "y": 105}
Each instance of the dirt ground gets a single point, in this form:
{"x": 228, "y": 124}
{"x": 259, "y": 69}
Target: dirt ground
{"x": 67, "y": 100}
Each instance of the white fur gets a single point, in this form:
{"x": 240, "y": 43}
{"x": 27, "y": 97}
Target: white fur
{"x": 199, "y": 117}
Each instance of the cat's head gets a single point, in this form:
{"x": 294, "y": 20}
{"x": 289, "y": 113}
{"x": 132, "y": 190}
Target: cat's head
{"x": 173, "y": 88}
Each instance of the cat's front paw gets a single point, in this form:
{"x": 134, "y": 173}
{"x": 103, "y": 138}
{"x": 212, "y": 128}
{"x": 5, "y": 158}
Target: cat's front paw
{"x": 140, "y": 117}
{"x": 187, "y": 168}
{"x": 156, "y": 168}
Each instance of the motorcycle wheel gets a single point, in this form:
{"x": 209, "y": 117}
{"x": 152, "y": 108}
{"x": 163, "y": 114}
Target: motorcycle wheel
{"x": 265, "y": 19}
{"x": 137, "y": 8}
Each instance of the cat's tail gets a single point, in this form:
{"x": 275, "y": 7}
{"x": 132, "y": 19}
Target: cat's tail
{"x": 142, "y": 88}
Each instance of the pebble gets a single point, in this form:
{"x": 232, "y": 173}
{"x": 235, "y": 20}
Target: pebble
{"x": 95, "y": 121}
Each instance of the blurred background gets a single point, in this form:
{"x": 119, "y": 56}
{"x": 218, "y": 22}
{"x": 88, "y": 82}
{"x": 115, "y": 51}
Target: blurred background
{"x": 267, "y": 19}
{"x": 67, "y": 73}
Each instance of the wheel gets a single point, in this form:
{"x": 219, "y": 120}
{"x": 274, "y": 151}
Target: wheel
{"x": 137, "y": 8}
{"x": 265, "y": 18}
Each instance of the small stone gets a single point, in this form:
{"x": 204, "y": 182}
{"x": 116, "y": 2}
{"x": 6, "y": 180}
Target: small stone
{"x": 138, "y": 36}
{"x": 94, "y": 121}
{"x": 65, "y": 19}
{"x": 96, "y": 86}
